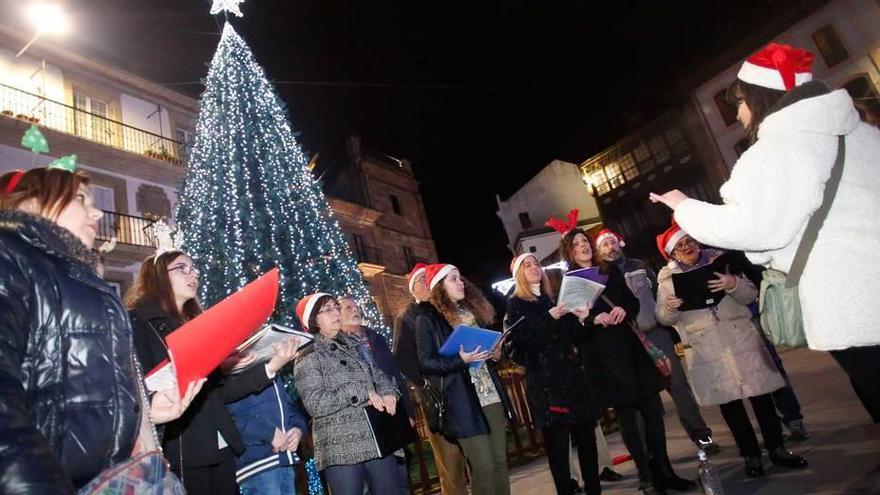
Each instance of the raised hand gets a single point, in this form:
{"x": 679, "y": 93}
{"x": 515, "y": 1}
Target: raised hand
{"x": 473, "y": 356}
{"x": 167, "y": 405}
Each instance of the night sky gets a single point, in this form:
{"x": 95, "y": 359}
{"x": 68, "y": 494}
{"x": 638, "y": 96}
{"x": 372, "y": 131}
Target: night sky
{"x": 499, "y": 87}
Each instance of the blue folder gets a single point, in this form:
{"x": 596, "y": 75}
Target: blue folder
{"x": 470, "y": 338}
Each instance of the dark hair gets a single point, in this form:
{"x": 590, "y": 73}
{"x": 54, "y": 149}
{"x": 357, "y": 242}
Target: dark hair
{"x": 759, "y": 99}
{"x": 566, "y": 248}
{"x": 313, "y": 318}
{"x": 474, "y": 301}
{"x": 53, "y": 189}
{"x": 153, "y": 283}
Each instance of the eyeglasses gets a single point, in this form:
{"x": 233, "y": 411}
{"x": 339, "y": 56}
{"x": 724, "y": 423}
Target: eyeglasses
{"x": 683, "y": 244}
{"x": 184, "y": 270}
{"x": 329, "y": 308}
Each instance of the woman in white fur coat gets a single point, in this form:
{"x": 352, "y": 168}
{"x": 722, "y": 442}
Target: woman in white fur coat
{"x": 725, "y": 356}
{"x": 776, "y": 186}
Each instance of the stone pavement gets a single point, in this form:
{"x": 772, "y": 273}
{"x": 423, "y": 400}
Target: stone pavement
{"x": 843, "y": 451}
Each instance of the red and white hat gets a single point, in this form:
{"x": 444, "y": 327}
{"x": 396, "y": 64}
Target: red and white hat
{"x": 605, "y": 233}
{"x": 666, "y": 241}
{"x": 435, "y": 273}
{"x": 417, "y": 270}
{"x": 306, "y": 305}
{"x": 777, "y": 66}
{"x": 517, "y": 261}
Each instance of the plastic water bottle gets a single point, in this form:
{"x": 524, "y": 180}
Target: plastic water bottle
{"x": 709, "y": 479}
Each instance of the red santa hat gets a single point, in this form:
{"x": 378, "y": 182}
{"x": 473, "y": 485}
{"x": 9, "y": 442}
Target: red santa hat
{"x": 517, "y": 261}
{"x": 777, "y": 66}
{"x": 564, "y": 227}
{"x": 605, "y": 233}
{"x": 666, "y": 241}
{"x": 436, "y": 272}
{"x": 417, "y": 270}
{"x": 306, "y": 305}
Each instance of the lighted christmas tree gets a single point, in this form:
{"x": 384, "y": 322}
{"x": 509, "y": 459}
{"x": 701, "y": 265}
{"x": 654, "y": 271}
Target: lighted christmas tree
{"x": 249, "y": 201}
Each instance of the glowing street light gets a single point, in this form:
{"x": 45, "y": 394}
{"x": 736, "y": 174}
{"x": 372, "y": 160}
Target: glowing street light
{"x": 48, "y": 18}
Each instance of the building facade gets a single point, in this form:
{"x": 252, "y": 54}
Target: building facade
{"x": 844, "y": 36}
{"x": 551, "y": 193}
{"x": 670, "y": 152}
{"x": 132, "y": 138}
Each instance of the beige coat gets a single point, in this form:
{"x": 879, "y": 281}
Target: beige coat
{"x": 727, "y": 359}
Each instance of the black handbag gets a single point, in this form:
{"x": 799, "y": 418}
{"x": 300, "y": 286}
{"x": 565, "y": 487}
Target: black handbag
{"x": 434, "y": 401}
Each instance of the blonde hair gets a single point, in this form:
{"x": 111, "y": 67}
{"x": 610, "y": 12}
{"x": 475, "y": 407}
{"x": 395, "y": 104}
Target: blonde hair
{"x": 523, "y": 288}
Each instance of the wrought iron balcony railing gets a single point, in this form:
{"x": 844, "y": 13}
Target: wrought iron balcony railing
{"x": 61, "y": 117}
{"x": 127, "y": 229}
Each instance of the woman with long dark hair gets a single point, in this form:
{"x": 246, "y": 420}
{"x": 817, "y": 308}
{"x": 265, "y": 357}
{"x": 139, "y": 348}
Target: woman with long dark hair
{"x": 201, "y": 446}
{"x": 560, "y": 400}
{"x": 801, "y": 131}
{"x": 337, "y": 383}
{"x": 477, "y": 404}
{"x": 72, "y": 401}
{"x": 622, "y": 372}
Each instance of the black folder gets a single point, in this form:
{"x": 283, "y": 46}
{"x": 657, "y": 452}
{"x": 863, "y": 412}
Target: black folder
{"x": 390, "y": 433}
{"x": 692, "y": 286}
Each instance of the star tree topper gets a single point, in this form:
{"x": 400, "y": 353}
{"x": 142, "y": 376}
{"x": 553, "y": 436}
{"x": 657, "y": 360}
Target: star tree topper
{"x": 230, "y": 6}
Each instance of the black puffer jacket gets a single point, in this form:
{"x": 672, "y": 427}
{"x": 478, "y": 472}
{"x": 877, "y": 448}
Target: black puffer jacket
{"x": 556, "y": 381}
{"x": 465, "y": 416}
{"x": 68, "y": 393}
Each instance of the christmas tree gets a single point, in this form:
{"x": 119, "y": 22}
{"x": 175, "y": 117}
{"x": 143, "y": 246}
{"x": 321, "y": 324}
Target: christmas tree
{"x": 249, "y": 201}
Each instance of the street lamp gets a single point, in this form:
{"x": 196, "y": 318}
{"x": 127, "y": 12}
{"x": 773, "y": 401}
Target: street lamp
{"x": 48, "y": 18}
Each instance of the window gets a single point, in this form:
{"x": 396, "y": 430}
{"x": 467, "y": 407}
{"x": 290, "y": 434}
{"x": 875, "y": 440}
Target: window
{"x": 612, "y": 170}
{"x": 104, "y": 198}
{"x": 741, "y": 146}
{"x": 90, "y": 119}
{"x": 395, "y": 204}
{"x": 524, "y": 220}
{"x": 641, "y": 152}
{"x": 185, "y": 138}
{"x": 358, "y": 247}
{"x": 628, "y": 164}
{"x": 727, "y": 111}
{"x": 830, "y": 46}
{"x": 409, "y": 256}
{"x": 864, "y": 97}
{"x": 659, "y": 149}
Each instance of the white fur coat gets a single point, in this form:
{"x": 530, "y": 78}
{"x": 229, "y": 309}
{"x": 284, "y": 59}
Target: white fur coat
{"x": 774, "y": 188}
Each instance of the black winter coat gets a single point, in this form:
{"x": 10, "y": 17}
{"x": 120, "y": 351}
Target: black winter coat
{"x": 556, "y": 381}
{"x": 464, "y": 414}
{"x": 69, "y": 404}
{"x": 207, "y": 414}
{"x": 620, "y": 369}
{"x": 404, "y": 347}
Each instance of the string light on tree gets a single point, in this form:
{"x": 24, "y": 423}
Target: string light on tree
{"x": 231, "y": 6}
{"x": 249, "y": 201}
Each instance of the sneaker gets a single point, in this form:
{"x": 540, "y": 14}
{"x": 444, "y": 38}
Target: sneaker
{"x": 786, "y": 458}
{"x": 797, "y": 432}
{"x": 610, "y": 475}
{"x": 754, "y": 467}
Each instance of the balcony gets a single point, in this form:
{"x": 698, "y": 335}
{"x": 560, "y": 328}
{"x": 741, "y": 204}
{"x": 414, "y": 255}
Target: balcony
{"x": 127, "y": 229}
{"x": 36, "y": 109}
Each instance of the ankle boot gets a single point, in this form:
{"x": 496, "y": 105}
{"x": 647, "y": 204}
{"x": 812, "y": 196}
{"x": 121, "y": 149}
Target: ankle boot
{"x": 754, "y": 467}
{"x": 786, "y": 458}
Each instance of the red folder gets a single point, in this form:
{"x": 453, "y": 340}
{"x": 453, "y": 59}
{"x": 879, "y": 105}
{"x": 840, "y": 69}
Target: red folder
{"x": 200, "y": 345}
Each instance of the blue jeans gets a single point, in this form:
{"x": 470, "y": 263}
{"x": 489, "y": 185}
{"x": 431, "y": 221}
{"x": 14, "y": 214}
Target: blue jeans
{"x": 278, "y": 481}
{"x": 382, "y": 477}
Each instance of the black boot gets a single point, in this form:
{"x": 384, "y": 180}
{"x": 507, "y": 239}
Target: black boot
{"x": 679, "y": 484}
{"x": 786, "y": 458}
{"x": 754, "y": 467}
{"x": 609, "y": 474}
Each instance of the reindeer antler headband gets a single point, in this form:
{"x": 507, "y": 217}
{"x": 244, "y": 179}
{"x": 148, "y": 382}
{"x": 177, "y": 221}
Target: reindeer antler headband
{"x": 166, "y": 239}
{"x": 564, "y": 227}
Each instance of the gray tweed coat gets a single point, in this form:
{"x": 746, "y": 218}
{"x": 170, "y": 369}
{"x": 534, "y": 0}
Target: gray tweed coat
{"x": 333, "y": 381}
